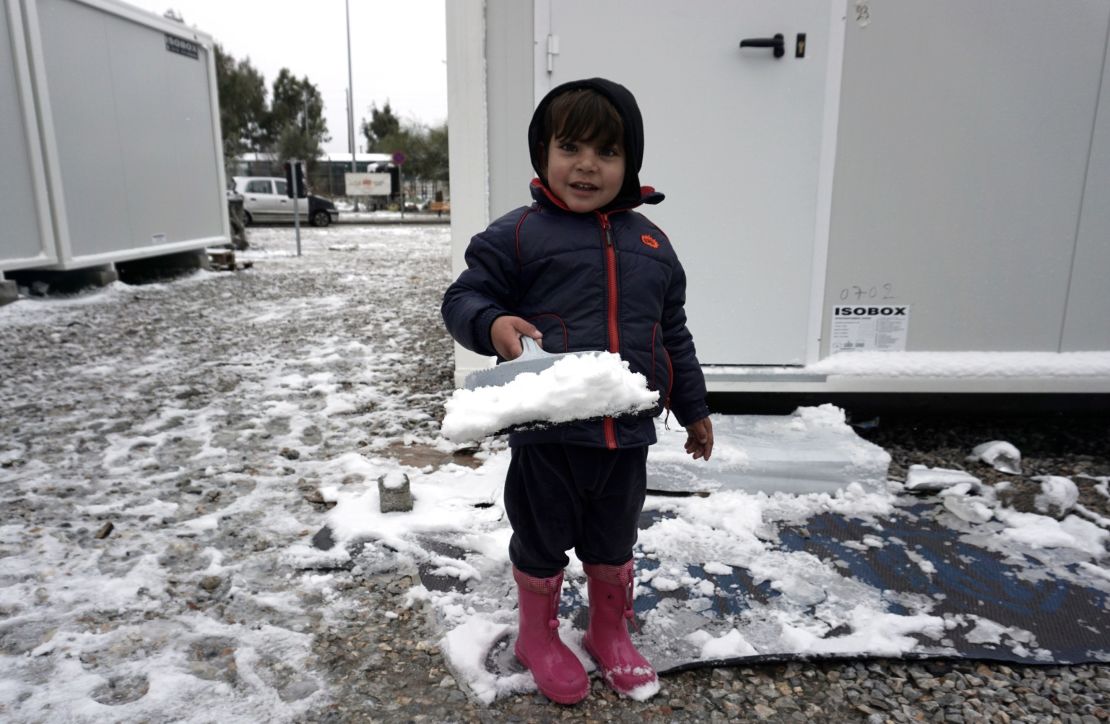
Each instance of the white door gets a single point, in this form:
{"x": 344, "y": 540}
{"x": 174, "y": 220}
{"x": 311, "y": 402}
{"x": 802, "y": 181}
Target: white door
{"x": 283, "y": 205}
{"x": 738, "y": 139}
{"x": 259, "y": 199}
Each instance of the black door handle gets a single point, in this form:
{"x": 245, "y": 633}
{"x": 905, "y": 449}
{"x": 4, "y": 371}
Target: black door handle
{"x": 776, "y": 43}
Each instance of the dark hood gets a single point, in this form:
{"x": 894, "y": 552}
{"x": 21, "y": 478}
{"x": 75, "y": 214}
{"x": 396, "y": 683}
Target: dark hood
{"x": 622, "y": 99}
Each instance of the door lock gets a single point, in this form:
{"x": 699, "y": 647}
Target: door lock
{"x": 776, "y": 44}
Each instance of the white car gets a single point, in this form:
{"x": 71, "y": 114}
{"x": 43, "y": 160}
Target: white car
{"x": 265, "y": 200}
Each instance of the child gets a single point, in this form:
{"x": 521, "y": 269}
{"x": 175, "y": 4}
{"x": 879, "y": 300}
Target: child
{"x": 580, "y": 270}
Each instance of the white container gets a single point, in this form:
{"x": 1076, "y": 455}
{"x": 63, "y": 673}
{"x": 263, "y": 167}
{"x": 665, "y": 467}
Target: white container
{"x": 926, "y": 179}
{"x": 120, "y": 136}
{"x": 26, "y": 238}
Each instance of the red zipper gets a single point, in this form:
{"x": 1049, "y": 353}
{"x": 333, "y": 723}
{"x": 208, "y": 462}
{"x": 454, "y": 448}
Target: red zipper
{"x": 614, "y": 338}
{"x": 670, "y": 369}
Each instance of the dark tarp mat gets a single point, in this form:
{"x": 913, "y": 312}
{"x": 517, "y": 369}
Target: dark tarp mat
{"x": 981, "y": 600}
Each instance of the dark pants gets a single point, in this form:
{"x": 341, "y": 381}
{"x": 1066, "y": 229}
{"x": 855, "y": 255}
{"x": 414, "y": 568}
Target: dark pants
{"x": 560, "y": 497}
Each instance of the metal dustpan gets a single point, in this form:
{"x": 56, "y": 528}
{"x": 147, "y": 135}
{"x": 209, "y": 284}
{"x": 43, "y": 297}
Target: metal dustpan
{"x": 532, "y": 359}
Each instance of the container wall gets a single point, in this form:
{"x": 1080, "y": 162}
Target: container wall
{"x": 468, "y": 118}
{"x": 509, "y": 75}
{"x": 136, "y": 153}
{"x": 964, "y": 137}
{"x": 25, "y": 237}
{"x": 1087, "y": 324}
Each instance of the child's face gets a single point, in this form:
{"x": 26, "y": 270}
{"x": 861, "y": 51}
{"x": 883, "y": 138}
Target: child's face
{"x": 584, "y": 176}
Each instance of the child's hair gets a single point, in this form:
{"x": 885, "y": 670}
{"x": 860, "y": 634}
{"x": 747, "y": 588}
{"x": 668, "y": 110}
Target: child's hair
{"x": 584, "y": 115}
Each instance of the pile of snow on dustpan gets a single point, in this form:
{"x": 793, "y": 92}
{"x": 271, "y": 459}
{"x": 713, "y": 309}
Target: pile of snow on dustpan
{"x": 539, "y": 388}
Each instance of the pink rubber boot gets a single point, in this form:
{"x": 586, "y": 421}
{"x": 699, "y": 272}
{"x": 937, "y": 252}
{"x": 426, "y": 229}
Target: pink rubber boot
{"x": 557, "y": 671}
{"x": 607, "y": 638}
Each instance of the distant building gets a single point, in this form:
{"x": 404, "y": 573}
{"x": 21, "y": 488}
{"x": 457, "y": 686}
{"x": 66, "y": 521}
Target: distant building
{"x": 325, "y": 173}
{"x": 325, "y": 176}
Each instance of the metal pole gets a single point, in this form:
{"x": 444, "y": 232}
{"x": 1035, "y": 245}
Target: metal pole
{"x": 296, "y": 206}
{"x": 347, "y": 97}
{"x": 350, "y": 97}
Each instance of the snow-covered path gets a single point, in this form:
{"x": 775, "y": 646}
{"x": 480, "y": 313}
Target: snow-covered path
{"x": 192, "y": 417}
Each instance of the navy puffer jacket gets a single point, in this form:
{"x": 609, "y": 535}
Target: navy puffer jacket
{"x": 605, "y": 280}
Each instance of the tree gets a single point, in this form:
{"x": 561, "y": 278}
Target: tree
{"x": 382, "y": 126}
{"x": 399, "y": 140}
{"x": 436, "y": 166}
{"x": 243, "y": 112}
{"x": 425, "y": 150}
{"x": 292, "y": 144}
{"x": 296, "y": 127}
{"x": 425, "y": 147}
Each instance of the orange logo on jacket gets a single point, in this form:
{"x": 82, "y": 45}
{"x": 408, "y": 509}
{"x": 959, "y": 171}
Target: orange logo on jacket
{"x": 649, "y": 240}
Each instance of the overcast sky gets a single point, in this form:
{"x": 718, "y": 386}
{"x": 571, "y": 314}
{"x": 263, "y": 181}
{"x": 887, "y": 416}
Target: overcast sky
{"x": 398, "y": 50}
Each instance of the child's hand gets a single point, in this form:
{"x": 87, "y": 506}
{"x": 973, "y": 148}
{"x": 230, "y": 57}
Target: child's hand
{"x": 505, "y": 335}
{"x": 699, "y": 438}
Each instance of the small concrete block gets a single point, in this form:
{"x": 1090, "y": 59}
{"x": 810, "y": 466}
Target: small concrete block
{"x": 394, "y": 493}
{"x": 102, "y": 277}
{"x": 221, "y": 259}
{"x": 324, "y": 540}
{"x": 9, "y": 291}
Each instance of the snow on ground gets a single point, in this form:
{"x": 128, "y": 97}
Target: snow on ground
{"x": 817, "y": 609}
{"x": 999, "y": 454}
{"x": 965, "y": 364}
{"x": 195, "y": 416}
{"x": 1058, "y": 494}
{"x": 347, "y": 214}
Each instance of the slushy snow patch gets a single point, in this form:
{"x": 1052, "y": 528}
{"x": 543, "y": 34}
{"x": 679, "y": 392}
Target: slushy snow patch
{"x": 664, "y": 583}
{"x": 731, "y": 645}
{"x": 644, "y": 691}
{"x": 465, "y": 647}
{"x": 873, "y": 633}
{"x": 1000, "y": 455}
{"x": 578, "y": 387}
{"x": 1058, "y": 494}
{"x": 822, "y": 416}
{"x": 1020, "y": 641}
{"x": 922, "y": 562}
{"x": 1039, "y": 531}
{"x": 967, "y": 508}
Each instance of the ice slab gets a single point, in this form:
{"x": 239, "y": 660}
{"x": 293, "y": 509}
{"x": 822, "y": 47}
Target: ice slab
{"x": 811, "y": 451}
{"x": 923, "y": 479}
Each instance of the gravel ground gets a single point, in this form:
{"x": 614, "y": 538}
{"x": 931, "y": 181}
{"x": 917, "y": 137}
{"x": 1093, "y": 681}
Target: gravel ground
{"x": 378, "y": 660}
